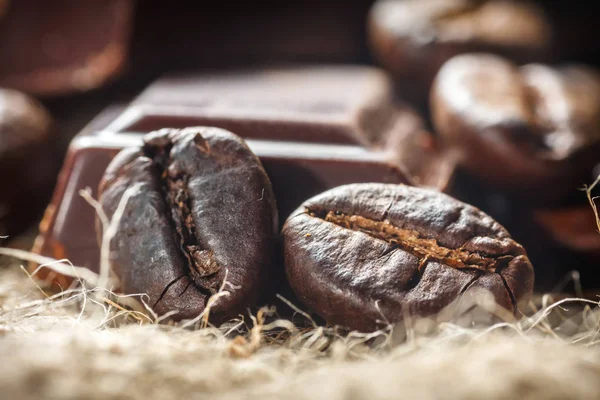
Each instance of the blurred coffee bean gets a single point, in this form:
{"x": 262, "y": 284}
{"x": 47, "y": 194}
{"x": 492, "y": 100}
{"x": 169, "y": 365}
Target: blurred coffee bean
{"x": 28, "y": 161}
{"x": 61, "y": 47}
{"x": 413, "y": 38}
{"x": 533, "y": 131}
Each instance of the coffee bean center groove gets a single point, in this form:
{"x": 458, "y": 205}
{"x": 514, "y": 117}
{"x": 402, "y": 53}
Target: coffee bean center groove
{"x": 202, "y": 266}
{"x": 412, "y": 242}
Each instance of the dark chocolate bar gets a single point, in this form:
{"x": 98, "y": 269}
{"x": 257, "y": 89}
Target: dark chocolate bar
{"x": 297, "y": 171}
{"x": 312, "y": 128}
{"x": 345, "y": 104}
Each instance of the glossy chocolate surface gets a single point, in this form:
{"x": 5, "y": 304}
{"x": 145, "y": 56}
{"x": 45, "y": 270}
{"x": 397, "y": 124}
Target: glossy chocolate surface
{"x": 351, "y": 105}
{"x": 323, "y": 104}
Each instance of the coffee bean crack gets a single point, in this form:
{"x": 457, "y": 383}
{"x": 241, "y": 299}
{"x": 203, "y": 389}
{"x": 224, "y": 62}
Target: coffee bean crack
{"x": 425, "y": 249}
{"x": 203, "y": 266}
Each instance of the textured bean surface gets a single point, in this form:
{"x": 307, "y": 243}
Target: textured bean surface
{"x": 533, "y": 127}
{"x": 28, "y": 160}
{"x": 365, "y": 252}
{"x": 201, "y": 210}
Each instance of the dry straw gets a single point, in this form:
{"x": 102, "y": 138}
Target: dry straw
{"x": 89, "y": 342}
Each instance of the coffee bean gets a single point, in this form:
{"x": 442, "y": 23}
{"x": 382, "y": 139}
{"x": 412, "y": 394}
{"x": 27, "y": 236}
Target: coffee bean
{"x": 28, "y": 160}
{"x": 366, "y": 252}
{"x": 413, "y": 38}
{"x": 534, "y": 130}
{"x": 201, "y": 210}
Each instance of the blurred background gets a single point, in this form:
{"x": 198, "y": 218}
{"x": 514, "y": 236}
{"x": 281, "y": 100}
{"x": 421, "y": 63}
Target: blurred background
{"x": 77, "y": 57}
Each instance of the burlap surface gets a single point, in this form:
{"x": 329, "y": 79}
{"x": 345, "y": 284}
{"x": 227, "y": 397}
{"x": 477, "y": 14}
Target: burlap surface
{"x": 80, "y": 345}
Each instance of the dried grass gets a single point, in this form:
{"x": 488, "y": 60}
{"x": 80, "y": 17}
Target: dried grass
{"x": 592, "y": 200}
{"x": 88, "y": 342}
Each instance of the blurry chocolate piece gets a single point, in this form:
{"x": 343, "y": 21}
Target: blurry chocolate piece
{"x": 52, "y": 48}
{"x": 327, "y": 104}
{"x": 413, "y": 38}
{"x": 28, "y": 161}
{"x": 533, "y": 131}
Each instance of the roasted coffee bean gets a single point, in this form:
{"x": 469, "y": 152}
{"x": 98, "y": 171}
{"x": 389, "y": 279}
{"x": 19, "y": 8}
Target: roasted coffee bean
{"x": 534, "y": 130}
{"x": 200, "y": 212}
{"x": 413, "y": 38}
{"x": 366, "y": 252}
{"x": 28, "y": 160}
